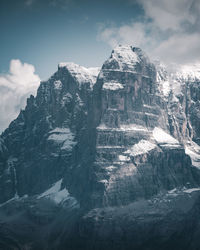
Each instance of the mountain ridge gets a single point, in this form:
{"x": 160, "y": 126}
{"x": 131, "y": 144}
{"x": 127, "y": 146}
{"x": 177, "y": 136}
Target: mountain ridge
{"x": 90, "y": 142}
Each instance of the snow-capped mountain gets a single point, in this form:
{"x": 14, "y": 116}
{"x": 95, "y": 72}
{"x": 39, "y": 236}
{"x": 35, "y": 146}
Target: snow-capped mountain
{"x": 180, "y": 89}
{"x": 99, "y": 151}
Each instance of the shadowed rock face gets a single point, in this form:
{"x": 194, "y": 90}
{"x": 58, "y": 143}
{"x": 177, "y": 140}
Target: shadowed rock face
{"x": 41, "y": 140}
{"x": 127, "y": 107}
{"x": 94, "y": 145}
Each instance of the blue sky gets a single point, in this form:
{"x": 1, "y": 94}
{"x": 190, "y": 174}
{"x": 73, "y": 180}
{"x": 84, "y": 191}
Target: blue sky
{"x": 44, "y": 33}
{"x": 38, "y": 34}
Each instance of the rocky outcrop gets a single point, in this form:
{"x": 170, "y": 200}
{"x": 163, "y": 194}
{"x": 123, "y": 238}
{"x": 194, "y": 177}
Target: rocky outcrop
{"x": 95, "y": 146}
{"x": 40, "y": 141}
{"x": 130, "y": 131}
{"x": 180, "y": 90}
{"x": 167, "y": 223}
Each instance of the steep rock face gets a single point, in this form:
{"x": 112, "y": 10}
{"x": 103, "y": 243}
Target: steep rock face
{"x": 180, "y": 89}
{"x": 107, "y": 140}
{"x": 104, "y": 160}
{"x": 129, "y": 136}
{"x": 40, "y": 141}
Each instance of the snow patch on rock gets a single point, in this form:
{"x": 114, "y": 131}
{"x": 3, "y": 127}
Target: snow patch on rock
{"x": 81, "y": 74}
{"x": 173, "y": 79}
{"x": 112, "y": 86}
{"x": 94, "y": 71}
{"x": 166, "y": 88}
{"x": 190, "y": 72}
{"x": 142, "y": 147}
{"x": 58, "y": 195}
{"x": 123, "y": 127}
{"x": 125, "y": 56}
{"x": 64, "y": 137}
{"x": 54, "y": 189}
{"x": 110, "y": 168}
{"x": 124, "y": 158}
{"x": 190, "y": 190}
{"x": 164, "y": 138}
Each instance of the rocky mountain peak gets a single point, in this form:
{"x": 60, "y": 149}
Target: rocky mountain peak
{"x": 131, "y": 124}
{"x": 93, "y": 148}
{"x": 81, "y": 74}
{"x": 126, "y": 58}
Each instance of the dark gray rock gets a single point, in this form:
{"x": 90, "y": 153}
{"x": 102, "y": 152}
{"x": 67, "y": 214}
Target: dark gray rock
{"x": 104, "y": 161}
{"x": 127, "y": 106}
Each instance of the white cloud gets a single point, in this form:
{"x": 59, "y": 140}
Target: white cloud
{"x": 171, "y": 14}
{"x": 180, "y": 49}
{"x": 15, "y": 87}
{"x": 169, "y": 30}
{"x": 134, "y": 33}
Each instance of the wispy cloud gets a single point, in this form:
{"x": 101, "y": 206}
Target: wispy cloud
{"x": 15, "y": 87}
{"x": 169, "y": 30}
{"x": 136, "y": 33}
{"x": 170, "y": 15}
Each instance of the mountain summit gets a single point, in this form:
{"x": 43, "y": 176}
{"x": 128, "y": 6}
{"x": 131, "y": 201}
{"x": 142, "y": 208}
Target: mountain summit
{"x": 104, "y": 159}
